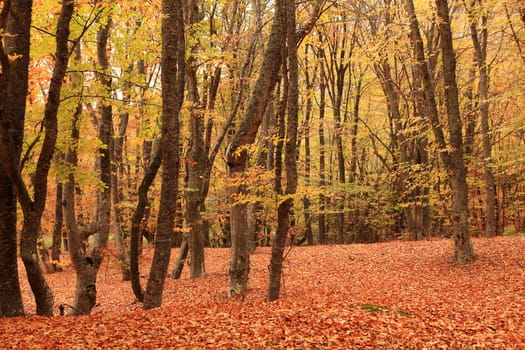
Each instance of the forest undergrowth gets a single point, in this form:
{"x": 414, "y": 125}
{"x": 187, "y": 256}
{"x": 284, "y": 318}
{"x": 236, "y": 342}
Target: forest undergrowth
{"x": 396, "y": 295}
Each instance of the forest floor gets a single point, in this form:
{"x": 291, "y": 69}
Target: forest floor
{"x": 396, "y": 295}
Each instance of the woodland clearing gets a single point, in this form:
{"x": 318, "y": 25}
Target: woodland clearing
{"x": 386, "y": 296}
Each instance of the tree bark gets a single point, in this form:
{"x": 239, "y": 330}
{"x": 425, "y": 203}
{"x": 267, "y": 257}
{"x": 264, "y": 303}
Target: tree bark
{"x": 34, "y": 207}
{"x": 173, "y": 80}
{"x": 197, "y": 159}
{"x": 105, "y": 152}
{"x": 463, "y": 250}
{"x": 322, "y": 162}
{"x": 237, "y": 156}
{"x": 13, "y": 90}
{"x": 479, "y": 41}
{"x": 452, "y": 159}
{"x": 285, "y": 207}
{"x": 85, "y": 292}
{"x": 308, "y": 231}
{"x": 117, "y": 195}
{"x": 137, "y": 223}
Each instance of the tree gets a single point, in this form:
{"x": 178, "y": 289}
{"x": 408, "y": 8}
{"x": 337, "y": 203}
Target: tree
{"x": 105, "y": 151}
{"x": 34, "y": 208}
{"x": 86, "y": 273}
{"x": 292, "y": 107}
{"x": 479, "y": 42}
{"x": 463, "y": 250}
{"x": 137, "y": 222}
{"x": 452, "y": 159}
{"x": 15, "y": 19}
{"x": 173, "y": 63}
{"x": 85, "y": 263}
{"x": 339, "y": 48}
{"x": 237, "y": 155}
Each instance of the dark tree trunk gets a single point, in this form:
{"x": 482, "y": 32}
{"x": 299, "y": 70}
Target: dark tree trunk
{"x": 463, "y": 250}
{"x": 336, "y": 64}
{"x": 33, "y": 208}
{"x": 137, "y": 223}
{"x": 281, "y": 123}
{"x": 285, "y": 208}
{"x": 15, "y": 19}
{"x": 173, "y": 80}
{"x": 308, "y": 232}
{"x": 453, "y": 159}
{"x": 322, "y": 163}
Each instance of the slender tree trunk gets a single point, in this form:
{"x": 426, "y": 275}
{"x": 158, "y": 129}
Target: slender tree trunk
{"x": 137, "y": 223}
{"x": 237, "y": 156}
{"x": 308, "y": 232}
{"x": 196, "y": 169}
{"x": 255, "y": 210}
{"x": 322, "y": 163}
{"x": 105, "y": 152}
{"x": 284, "y": 209}
{"x": 173, "y": 80}
{"x": 197, "y": 156}
{"x": 479, "y": 41}
{"x": 281, "y": 133}
{"x": 117, "y": 196}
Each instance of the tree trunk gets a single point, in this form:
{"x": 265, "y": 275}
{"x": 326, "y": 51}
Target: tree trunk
{"x": 463, "y": 250}
{"x": 173, "y": 80}
{"x": 196, "y": 168}
{"x": 16, "y": 21}
{"x": 237, "y": 156}
{"x": 33, "y": 207}
{"x": 10, "y": 295}
{"x": 137, "y": 223}
{"x": 181, "y": 259}
{"x": 105, "y": 153}
{"x": 479, "y": 41}
{"x": 308, "y": 232}
{"x": 11, "y": 114}
{"x": 452, "y": 160}
{"x": 284, "y": 209}
{"x": 322, "y": 163}
{"x": 85, "y": 293}
{"x": 197, "y": 158}
{"x": 116, "y": 185}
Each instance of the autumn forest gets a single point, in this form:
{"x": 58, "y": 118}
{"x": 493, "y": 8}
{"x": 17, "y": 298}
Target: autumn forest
{"x": 178, "y": 140}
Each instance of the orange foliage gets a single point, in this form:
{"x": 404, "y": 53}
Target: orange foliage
{"x": 392, "y": 295}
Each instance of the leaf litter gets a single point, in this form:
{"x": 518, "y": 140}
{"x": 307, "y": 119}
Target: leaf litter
{"x": 395, "y": 295}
